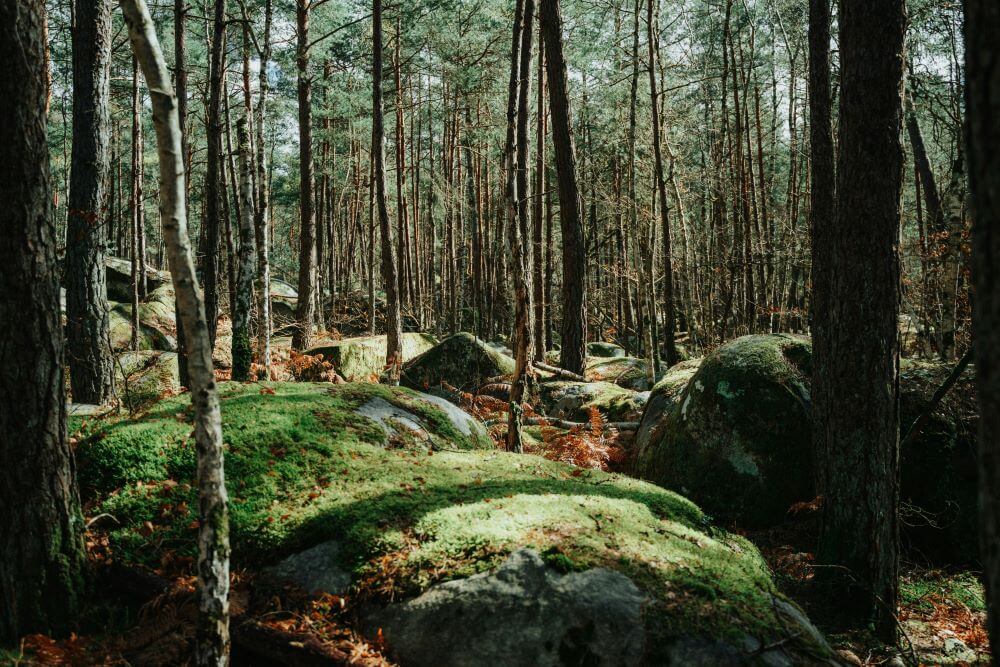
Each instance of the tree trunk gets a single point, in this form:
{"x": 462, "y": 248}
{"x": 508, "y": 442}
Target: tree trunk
{"x": 242, "y": 352}
{"x": 181, "y": 77}
{"x": 212, "y": 646}
{"x": 573, "y": 355}
{"x": 390, "y": 277}
{"x": 982, "y": 101}
{"x": 537, "y": 258}
{"x": 214, "y": 183}
{"x": 857, "y": 423}
{"x": 88, "y": 349}
{"x": 306, "y": 309}
{"x": 42, "y": 557}
{"x": 261, "y": 220}
{"x": 822, "y": 202}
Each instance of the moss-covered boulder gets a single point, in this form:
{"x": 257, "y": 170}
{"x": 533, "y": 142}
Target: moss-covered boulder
{"x": 626, "y": 372}
{"x": 364, "y": 358}
{"x": 157, "y": 322}
{"x": 573, "y": 401}
{"x": 144, "y": 377}
{"x": 416, "y": 527}
{"x": 661, "y": 401}
{"x": 119, "y": 279}
{"x": 461, "y": 361}
{"x": 602, "y": 349}
{"x": 738, "y": 440}
{"x": 938, "y": 491}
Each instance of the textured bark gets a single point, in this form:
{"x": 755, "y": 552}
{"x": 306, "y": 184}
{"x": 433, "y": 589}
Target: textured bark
{"x": 390, "y": 279}
{"x": 261, "y": 220}
{"x": 574, "y": 325}
{"x": 982, "y": 100}
{"x": 822, "y": 200}
{"x": 212, "y": 645}
{"x": 88, "y": 348}
{"x": 855, "y": 401}
{"x": 242, "y": 352}
{"x": 42, "y": 556}
{"x": 180, "y": 79}
{"x": 306, "y": 309}
{"x": 537, "y": 219}
{"x": 669, "y": 309}
{"x": 214, "y": 177}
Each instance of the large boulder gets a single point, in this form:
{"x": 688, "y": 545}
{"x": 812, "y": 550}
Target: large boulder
{"x": 461, "y": 361}
{"x": 627, "y": 372}
{"x": 363, "y": 358}
{"x": 439, "y": 539}
{"x": 573, "y": 401}
{"x": 738, "y": 440}
{"x": 144, "y": 377}
{"x": 119, "y": 279}
{"x": 661, "y": 401}
{"x": 157, "y": 322}
{"x": 602, "y": 349}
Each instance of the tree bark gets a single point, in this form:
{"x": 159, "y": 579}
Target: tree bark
{"x": 573, "y": 355}
{"x": 261, "y": 220}
{"x": 212, "y": 645}
{"x": 181, "y": 78}
{"x": 242, "y": 352}
{"x": 42, "y": 557}
{"x": 822, "y": 213}
{"x": 88, "y": 348}
{"x": 306, "y": 309}
{"x": 858, "y": 422}
{"x": 982, "y": 100}
{"x": 390, "y": 279}
{"x": 214, "y": 183}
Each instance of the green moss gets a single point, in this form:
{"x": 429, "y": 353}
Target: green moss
{"x": 461, "y": 361}
{"x": 142, "y": 377}
{"x": 303, "y": 467}
{"x": 917, "y": 589}
{"x": 242, "y": 356}
{"x": 737, "y": 440}
{"x": 364, "y": 357}
{"x": 573, "y": 400}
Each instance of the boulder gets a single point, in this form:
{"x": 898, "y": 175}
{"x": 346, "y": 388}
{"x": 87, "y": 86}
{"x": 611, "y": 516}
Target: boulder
{"x": 601, "y": 349}
{"x": 364, "y": 358}
{"x": 440, "y": 542}
{"x": 461, "y": 361}
{"x": 627, "y": 372}
{"x": 144, "y": 377}
{"x": 738, "y": 440}
{"x": 119, "y": 279}
{"x": 661, "y": 401}
{"x": 573, "y": 400}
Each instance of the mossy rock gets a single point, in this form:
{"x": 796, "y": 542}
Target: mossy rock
{"x": 938, "y": 493}
{"x": 150, "y": 336}
{"x": 142, "y": 378}
{"x": 573, "y": 401}
{"x": 119, "y": 279}
{"x": 304, "y": 467}
{"x": 660, "y": 402}
{"x": 738, "y": 440}
{"x": 364, "y": 358}
{"x": 627, "y": 372}
{"x": 606, "y": 350}
{"x": 461, "y": 361}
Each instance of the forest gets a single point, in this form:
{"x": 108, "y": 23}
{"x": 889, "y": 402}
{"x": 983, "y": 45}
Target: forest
{"x": 499, "y": 332}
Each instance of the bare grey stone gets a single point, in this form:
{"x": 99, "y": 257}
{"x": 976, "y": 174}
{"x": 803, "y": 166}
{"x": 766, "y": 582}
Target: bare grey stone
{"x": 316, "y": 570}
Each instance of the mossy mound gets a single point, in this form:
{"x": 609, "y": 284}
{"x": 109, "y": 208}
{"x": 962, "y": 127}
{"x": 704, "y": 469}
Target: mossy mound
{"x": 364, "y": 358}
{"x": 461, "y": 361}
{"x": 938, "y": 466}
{"x": 626, "y": 372}
{"x": 304, "y": 467}
{"x": 660, "y": 402}
{"x": 144, "y": 377}
{"x": 738, "y": 440}
{"x": 602, "y": 349}
{"x": 574, "y": 400}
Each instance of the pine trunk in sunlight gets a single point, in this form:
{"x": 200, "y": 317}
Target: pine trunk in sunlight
{"x": 306, "y": 311}
{"x": 213, "y": 644}
{"x": 242, "y": 349}
{"x": 573, "y": 355}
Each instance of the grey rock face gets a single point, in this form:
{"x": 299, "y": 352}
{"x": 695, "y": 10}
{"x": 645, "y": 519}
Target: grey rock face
{"x": 524, "y": 613}
{"x": 316, "y": 570}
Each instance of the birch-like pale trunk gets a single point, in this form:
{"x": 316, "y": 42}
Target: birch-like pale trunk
{"x": 242, "y": 353}
{"x": 212, "y": 647}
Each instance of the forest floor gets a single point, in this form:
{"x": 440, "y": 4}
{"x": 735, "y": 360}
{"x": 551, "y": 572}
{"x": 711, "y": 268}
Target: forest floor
{"x": 942, "y": 614}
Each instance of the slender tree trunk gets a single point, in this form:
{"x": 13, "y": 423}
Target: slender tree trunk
{"x": 306, "y": 309}
{"x": 822, "y": 213}
{"x": 214, "y": 182}
{"x": 858, "y": 423}
{"x": 136, "y": 205}
{"x": 390, "y": 277}
{"x": 88, "y": 347}
{"x": 181, "y": 78}
{"x": 261, "y": 219}
{"x": 982, "y": 100}
{"x": 212, "y": 646}
{"x": 242, "y": 352}
{"x": 573, "y": 355}
{"x": 670, "y": 316}
{"x": 537, "y": 259}
{"x": 42, "y": 559}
